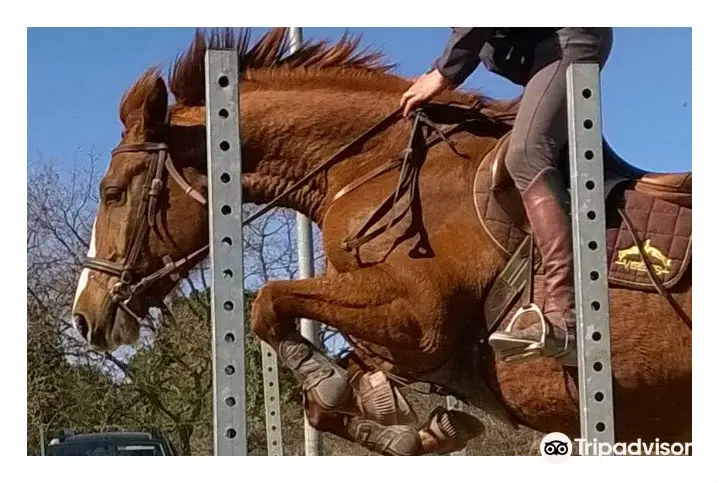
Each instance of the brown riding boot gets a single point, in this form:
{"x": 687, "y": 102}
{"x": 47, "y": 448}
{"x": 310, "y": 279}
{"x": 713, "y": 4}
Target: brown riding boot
{"x": 552, "y": 332}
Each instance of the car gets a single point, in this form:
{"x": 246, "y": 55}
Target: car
{"x": 112, "y": 443}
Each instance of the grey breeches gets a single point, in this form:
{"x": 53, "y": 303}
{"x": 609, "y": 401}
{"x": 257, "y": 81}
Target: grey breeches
{"x": 540, "y": 130}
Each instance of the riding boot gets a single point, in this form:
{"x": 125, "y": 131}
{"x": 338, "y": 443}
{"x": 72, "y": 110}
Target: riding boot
{"x": 551, "y": 331}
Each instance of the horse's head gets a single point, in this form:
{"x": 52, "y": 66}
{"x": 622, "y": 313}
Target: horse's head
{"x": 151, "y": 216}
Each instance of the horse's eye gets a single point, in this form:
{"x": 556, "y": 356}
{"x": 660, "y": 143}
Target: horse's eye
{"x": 114, "y": 195}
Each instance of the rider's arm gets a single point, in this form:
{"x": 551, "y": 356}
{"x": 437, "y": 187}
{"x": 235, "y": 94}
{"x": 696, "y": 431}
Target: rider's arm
{"x": 461, "y": 54}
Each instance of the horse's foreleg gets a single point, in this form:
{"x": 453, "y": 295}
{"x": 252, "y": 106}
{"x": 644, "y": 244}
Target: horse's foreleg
{"x": 393, "y": 440}
{"x": 383, "y": 421}
{"x": 368, "y": 304}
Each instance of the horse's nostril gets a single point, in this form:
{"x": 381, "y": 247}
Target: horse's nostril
{"x": 81, "y": 325}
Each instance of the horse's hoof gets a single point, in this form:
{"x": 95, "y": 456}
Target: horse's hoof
{"x": 394, "y": 440}
{"x": 449, "y": 431}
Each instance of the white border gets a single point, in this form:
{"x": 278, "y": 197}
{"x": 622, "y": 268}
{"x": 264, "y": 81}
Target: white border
{"x": 364, "y": 13}
{"x": 353, "y": 14}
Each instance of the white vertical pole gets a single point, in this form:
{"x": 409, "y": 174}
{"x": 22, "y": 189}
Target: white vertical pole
{"x": 308, "y": 328}
{"x": 42, "y": 439}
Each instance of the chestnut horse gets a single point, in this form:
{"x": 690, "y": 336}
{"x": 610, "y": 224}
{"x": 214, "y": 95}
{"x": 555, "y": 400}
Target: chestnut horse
{"x": 411, "y": 302}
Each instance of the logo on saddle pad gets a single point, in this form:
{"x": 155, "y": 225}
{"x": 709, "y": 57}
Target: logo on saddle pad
{"x": 631, "y": 259}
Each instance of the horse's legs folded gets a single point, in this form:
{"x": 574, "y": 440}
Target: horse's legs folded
{"x": 367, "y": 304}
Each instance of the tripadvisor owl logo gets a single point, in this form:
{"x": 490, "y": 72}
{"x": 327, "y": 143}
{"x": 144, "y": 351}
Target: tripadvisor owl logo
{"x": 556, "y": 447}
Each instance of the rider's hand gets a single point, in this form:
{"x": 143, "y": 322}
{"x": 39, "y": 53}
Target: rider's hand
{"x": 424, "y": 89}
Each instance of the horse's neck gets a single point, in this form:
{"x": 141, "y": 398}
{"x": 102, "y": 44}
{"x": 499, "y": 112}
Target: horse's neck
{"x": 287, "y": 134}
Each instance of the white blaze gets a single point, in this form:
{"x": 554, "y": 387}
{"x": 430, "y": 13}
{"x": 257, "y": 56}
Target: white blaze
{"x": 85, "y": 274}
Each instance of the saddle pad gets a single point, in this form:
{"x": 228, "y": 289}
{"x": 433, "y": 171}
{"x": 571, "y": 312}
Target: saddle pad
{"x": 505, "y": 232}
{"x": 663, "y": 228}
{"x": 665, "y": 231}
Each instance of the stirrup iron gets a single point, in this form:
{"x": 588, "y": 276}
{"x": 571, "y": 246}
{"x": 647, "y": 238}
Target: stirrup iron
{"x": 531, "y": 349}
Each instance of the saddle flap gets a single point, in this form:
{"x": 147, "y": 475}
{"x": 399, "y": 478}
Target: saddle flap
{"x": 499, "y": 175}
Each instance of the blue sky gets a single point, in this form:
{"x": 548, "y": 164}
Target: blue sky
{"x": 76, "y": 77}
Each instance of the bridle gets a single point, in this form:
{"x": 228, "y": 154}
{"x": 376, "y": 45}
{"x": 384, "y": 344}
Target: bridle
{"x": 129, "y": 285}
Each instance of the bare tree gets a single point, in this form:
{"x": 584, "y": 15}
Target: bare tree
{"x": 166, "y": 379}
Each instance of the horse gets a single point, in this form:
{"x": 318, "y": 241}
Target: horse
{"x": 318, "y": 127}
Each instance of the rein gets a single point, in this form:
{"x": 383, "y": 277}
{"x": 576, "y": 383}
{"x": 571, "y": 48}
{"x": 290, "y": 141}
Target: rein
{"x": 410, "y": 161}
{"x": 650, "y": 272}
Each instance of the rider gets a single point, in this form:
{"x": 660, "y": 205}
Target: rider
{"x": 536, "y": 58}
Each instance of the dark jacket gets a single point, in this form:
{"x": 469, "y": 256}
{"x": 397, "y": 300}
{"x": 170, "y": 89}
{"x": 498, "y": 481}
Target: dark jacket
{"x": 507, "y": 51}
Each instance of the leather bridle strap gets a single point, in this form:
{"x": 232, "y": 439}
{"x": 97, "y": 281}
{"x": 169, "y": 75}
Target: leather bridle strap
{"x": 148, "y": 204}
{"x": 144, "y": 221}
{"x": 150, "y": 190}
{"x": 189, "y": 190}
{"x": 171, "y": 269}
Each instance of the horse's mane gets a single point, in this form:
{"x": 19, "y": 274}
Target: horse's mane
{"x": 270, "y": 57}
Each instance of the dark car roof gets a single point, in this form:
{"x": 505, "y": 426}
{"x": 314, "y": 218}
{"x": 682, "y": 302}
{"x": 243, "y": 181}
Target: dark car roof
{"x": 82, "y": 441}
{"x": 116, "y": 436}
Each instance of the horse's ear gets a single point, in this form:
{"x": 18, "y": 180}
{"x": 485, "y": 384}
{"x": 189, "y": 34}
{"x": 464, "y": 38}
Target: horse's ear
{"x": 155, "y": 107}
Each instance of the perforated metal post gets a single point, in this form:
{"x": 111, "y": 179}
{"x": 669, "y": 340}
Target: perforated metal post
{"x": 590, "y": 253}
{"x": 225, "y": 215}
{"x": 271, "y": 386}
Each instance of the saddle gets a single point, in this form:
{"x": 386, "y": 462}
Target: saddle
{"x": 648, "y": 217}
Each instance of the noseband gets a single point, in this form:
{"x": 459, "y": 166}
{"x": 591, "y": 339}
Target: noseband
{"x": 129, "y": 285}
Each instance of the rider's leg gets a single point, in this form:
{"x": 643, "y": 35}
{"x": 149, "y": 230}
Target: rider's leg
{"x": 539, "y": 134}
